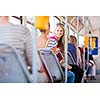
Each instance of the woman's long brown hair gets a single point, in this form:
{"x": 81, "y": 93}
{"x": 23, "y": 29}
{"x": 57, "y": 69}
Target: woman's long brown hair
{"x": 61, "y": 41}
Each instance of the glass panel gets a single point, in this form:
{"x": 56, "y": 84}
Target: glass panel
{"x": 76, "y": 35}
{"x": 81, "y": 41}
{"x": 14, "y": 20}
{"x": 30, "y": 19}
{"x": 53, "y": 22}
{"x": 71, "y": 32}
{"x": 30, "y": 22}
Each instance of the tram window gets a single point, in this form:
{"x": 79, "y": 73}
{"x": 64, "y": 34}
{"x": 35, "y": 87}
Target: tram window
{"x": 30, "y": 22}
{"x": 71, "y": 32}
{"x": 81, "y": 40}
{"x": 76, "y": 35}
{"x": 30, "y": 19}
{"x": 53, "y": 22}
{"x": 14, "y": 20}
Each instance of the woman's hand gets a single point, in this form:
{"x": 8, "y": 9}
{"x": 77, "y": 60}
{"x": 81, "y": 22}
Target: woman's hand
{"x": 69, "y": 67}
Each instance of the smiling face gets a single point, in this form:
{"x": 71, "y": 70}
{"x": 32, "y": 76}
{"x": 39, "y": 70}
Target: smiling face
{"x": 60, "y": 36}
{"x": 59, "y": 32}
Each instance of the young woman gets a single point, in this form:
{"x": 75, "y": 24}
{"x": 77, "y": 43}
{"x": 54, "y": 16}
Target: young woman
{"x": 56, "y": 43}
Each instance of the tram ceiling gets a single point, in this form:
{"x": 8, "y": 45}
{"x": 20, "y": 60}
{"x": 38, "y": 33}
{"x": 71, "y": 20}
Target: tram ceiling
{"x": 95, "y": 22}
{"x": 92, "y": 24}
{"x": 77, "y": 23}
{"x": 74, "y": 22}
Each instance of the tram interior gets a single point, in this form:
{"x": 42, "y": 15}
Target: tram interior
{"x": 89, "y": 23}
{"x": 79, "y": 26}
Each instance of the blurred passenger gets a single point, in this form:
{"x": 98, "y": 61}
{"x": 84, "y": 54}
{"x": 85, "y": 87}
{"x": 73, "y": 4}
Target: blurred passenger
{"x": 90, "y": 66}
{"x": 76, "y": 54}
{"x": 72, "y": 48}
{"x": 19, "y": 37}
{"x": 42, "y": 38}
{"x": 41, "y": 43}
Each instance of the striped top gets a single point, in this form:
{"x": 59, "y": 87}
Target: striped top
{"x": 19, "y": 37}
{"x": 52, "y": 41}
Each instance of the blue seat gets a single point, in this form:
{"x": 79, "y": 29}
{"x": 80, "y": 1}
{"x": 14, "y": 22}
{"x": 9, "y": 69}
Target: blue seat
{"x": 70, "y": 58}
{"x": 12, "y": 67}
{"x": 73, "y": 51}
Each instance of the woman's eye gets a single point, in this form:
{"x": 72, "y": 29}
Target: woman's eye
{"x": 60, "y": 30}
{"x": 57, "y": 30}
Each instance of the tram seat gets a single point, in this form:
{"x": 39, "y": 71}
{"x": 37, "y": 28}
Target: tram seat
{"x": 51, "y": 65}
{"x": 70, "y": 58}
{"x": 75, "y": 68}
{"x": 12, "y": 68}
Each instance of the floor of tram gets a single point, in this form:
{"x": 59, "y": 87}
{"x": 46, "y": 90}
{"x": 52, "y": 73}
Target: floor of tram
{"x": 97, "y": 78}
{"x": 94, "y": 81}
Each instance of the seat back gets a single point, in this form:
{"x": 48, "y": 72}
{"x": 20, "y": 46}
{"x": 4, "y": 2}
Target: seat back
{"x": 51, "y": 64}
{"x": 12, "y": 67}
{"x": 70, "y": 58}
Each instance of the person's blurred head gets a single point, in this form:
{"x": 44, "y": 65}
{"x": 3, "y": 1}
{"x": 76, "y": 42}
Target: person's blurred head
{"x": 73, "y": 40}
{"x": 4, "y": 20}
{"x": 4, "y": 17}
{"x": 45, "y": 31}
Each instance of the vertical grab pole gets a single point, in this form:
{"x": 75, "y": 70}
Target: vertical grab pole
{"x": 84, "y": 20}
{"x": 88, "y": 49}
{"x": 24, "y": 20}
{"x": 35, "y": 60}
{"x": 66, "y": 46}
{"x": 77, "y": 37}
